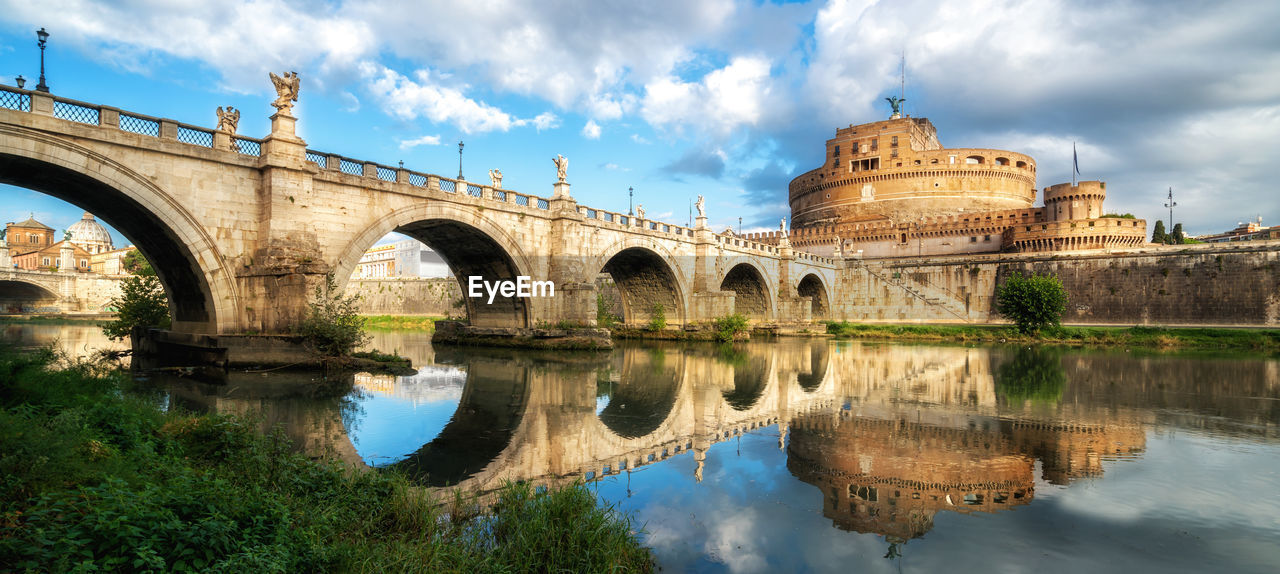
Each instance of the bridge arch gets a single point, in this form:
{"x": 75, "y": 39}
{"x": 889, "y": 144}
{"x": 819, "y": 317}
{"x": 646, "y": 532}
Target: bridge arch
{"x": 750, "y": 284}
{"x": 469, "y": 242}
{"x": 15, "y": 292}
{"x": 812, "y": 286}
{"x": 644, "y": 397}
{"x": 202, "y": 293}
{"x": 645, "y": 276}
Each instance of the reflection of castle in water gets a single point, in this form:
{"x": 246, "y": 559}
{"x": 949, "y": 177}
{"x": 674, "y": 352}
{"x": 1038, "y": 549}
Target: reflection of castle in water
{"x": 890, "y": 434}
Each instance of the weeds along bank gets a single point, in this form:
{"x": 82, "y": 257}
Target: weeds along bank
{"x": 1262, "y": 340}
{"x": 96, "y": 476}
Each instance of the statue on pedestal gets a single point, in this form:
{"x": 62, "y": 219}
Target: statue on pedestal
{"x": 701, "y": 205}
{"x": 562, "y": 165}
{"x": 286, "y": 91}
{"x": 495, "y": 176}
{"x": 228, "y": 120}
{"x": 639, "y": 211}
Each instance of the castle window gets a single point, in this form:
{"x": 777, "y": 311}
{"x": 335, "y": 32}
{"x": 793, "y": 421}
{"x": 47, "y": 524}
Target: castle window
{"x": 84, "y": 262}
{"x": 917, "y": 162}
{"x": 837, "y": 153}
{"x": 894, "y": 141}
{"x": 933, "y": 161}
{"x": 1002, "y": 161}
{"x": 973, "y": 159}
{"x": 875, "y": 144}
{"x": 1022, "y": 164}
{"x": 46, "y": 262}
{"x": 894, "y": 154}
{"x": 973, "y": 239}
{"x": 986, "y": 238}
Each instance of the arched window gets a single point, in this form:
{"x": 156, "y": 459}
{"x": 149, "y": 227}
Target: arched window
{"x": 973, "y": 159}
{"x": 1002, "y": 161}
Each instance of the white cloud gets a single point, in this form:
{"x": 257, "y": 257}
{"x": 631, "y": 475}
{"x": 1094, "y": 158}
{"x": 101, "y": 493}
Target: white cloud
{"x": 542, "y": 121}
{"x": 591, "y": 130}
{"x": 424, "y": 140}
{"x": 639, "y": 139}
{"x": 725, "y": 99}
{"x": 408, "y": 99}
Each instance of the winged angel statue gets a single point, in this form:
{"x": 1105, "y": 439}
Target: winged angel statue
{"x": 286, "y": 91}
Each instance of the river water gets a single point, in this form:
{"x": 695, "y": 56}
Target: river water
{"x": 826, "y": 456}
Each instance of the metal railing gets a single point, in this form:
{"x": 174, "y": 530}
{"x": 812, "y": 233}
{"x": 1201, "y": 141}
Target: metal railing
{"x": 14, "y": 100}
{"x": 75, "y": 112}
{"x": 318, "y": 159}
{"x": 247, "y": 146}
{"x": 139, "y": 125}
{"x": 193, "y": 136}
{"x": 386, "y": 173}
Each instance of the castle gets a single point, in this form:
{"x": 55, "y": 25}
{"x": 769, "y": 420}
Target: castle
{"x": 890, "y": 189}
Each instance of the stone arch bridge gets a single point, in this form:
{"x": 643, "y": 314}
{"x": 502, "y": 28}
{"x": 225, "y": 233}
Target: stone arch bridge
{"x": 242, "y": 230}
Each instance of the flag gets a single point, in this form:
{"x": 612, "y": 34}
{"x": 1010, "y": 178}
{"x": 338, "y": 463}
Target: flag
{"x": 1075, "y": 159}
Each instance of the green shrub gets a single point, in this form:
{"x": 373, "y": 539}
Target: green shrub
{"x": 333, "y": 326}
{"x": 142, "y": 301}
{"x": 658, "y": 319}
{"x": 604, "y": 310}
{"x": 729, "y": 326}
{"x": 1032, "y": 303}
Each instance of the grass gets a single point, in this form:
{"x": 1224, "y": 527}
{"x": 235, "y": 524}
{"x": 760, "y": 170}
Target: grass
{"x": 95, "y": 476}
{"x": 1156, "y": 337}
{"x": 400, "y": 323}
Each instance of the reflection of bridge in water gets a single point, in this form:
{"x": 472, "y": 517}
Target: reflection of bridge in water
{"x": 890, "y": 434}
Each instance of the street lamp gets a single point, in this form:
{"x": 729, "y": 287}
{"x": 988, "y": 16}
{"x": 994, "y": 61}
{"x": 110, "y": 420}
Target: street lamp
{"x": 42, "y": 37}
{"x": 631, "y": 194}
{"x": 21, "y": 82}
{"x": 460, "y": 160}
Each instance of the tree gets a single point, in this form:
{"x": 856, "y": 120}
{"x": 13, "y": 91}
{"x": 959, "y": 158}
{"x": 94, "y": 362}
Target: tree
{"x": 1178, "y": 237}
{"x": 333, "y": 326}
{"x": 142, "y": 301}
{"x": 1032, "y": 303}
{"x": 1159, "y": 235}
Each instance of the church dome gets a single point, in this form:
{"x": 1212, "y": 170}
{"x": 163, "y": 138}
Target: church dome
{"x": 90, "y": 235}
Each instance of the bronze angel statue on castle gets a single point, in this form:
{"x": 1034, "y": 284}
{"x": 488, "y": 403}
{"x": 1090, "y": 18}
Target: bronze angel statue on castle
{"x": 286, "y": 91}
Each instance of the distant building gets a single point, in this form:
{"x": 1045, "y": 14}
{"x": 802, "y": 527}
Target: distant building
{"x": 90, "y": 235}
{"x": 109, "y": 262}
{"x": 890, "y": 189}
{"x": 1250, "y": 231}
{"x": 31, "y": 245}
{"x": 408, "y": 258}
{"x": 27, "y": 236}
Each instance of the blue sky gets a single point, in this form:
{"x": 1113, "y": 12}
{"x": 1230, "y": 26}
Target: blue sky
{"x": 721, "y": 98}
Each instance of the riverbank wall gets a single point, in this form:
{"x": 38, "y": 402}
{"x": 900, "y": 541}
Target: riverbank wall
{"x": 437, "y": 296}
{"x": 1206, "y": 284}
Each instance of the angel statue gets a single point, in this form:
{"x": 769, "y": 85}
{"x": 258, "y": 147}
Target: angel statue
{"x": 701, "y": 204}
{"x": 639, "y": 211}
{"x": 495, "y": 177}
{"x": 562, "y": 165}
{"x": 286, "y": 91}
{"x": 839, "y": 251}
{"x": 783, "y": 226}
{"x": 228, "y": 120}
{"x": 896, "y": 103}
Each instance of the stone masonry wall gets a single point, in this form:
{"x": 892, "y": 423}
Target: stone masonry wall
{"x": 408, "y": 296}
{"x": 1187, "y": 285}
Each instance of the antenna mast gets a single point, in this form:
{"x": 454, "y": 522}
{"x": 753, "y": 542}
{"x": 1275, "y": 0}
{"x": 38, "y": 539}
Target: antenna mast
{"x": 902, "y": 74}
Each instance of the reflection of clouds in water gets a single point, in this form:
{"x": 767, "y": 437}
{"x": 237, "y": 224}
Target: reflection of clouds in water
{"x": 431, "y": 384}
{"x": 734, "y": 540}
{"x": 1164, "y": 484}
